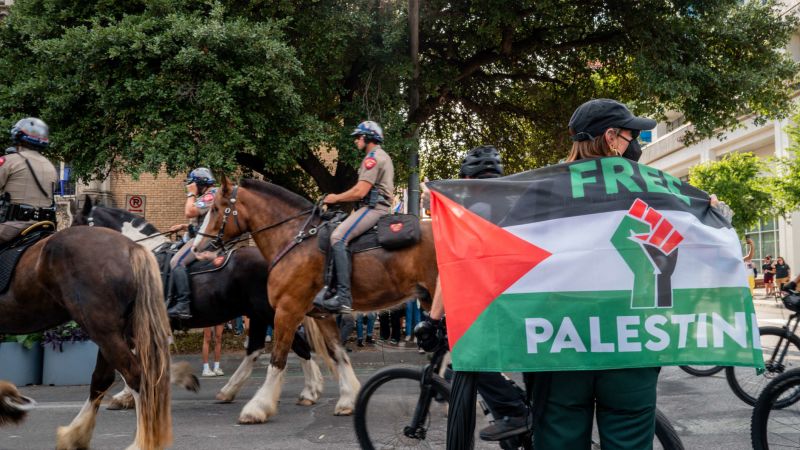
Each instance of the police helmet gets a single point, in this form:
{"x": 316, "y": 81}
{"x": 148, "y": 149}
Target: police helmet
{"x": 370, "y": 130}
{"x": 201, "y": 177}
{"x": 482, "y": 162}
{"x": 31, "y": 132}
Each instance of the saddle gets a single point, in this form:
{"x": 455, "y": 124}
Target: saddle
{"x": 12, "y": 251}
{"x": 392, "y": 232}
{"x": 167, "y": 250}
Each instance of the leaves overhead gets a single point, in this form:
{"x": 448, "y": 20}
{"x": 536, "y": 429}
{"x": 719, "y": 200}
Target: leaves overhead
{"x": 141, "y": 83}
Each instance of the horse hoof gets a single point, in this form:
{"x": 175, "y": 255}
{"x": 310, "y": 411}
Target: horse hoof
{"x": 249, "y": 419}
{"x": 343, "y": 412}
{"x": 224, "y": 398}
{"x": 117, "y": 405}
{"x": 305, "y": 402}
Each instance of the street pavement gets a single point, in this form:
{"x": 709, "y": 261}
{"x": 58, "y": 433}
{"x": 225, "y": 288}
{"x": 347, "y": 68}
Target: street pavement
{"x": 704, "y": 411}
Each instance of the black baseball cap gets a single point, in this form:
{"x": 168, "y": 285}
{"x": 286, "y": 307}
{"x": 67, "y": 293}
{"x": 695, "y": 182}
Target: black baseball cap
{"x": 594, "y": 117}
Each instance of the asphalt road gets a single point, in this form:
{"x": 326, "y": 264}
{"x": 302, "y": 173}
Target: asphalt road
{"x": 703, "y": 410}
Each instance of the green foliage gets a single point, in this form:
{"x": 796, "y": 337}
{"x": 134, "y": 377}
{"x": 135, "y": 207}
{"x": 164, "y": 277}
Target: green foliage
{"x": 738, "y": 179}
{"x": 136, "y": 84}
{"x": 27, "y": 340}
{"x": 785, "y": 185}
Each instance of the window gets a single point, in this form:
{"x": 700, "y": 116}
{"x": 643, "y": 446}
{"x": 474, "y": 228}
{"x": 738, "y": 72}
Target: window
{"x": 765, "y": 241}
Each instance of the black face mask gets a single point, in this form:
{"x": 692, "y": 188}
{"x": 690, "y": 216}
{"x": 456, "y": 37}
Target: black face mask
{"x": 634, "y": 151}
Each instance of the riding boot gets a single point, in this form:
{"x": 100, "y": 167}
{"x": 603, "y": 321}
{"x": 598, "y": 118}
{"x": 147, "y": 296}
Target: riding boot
{"x": 341, "y": 302}
{"x": 183, "y": 292}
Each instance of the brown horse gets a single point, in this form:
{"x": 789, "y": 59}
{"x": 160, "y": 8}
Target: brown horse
{"x": 13, "y": 405}
{"x": 112, "y": 288}
{"x": 274, "y": 217}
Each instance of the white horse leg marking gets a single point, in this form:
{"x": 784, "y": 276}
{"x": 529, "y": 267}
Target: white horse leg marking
{"x": 243, "y": 372}
{"x": 313, "y": 383}
{"x": 348, "y": 384}
{"x": 138, "y": 403}
{"x": 122, "y": 400}
{"x": 264, "y": 404}
{"x": 78, "y": 433}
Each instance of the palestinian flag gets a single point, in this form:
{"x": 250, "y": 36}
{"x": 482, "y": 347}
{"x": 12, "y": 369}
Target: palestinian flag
{"x": 600, "y": 263}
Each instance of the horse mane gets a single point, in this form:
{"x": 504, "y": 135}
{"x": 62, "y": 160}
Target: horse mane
{"x": 273, "y": 190}
{"x": 127, "y": 216}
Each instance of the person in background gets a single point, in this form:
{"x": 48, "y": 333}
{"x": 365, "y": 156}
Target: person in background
{"x": 783, "y": 272}
{"x": 208, "y": 371}
{"x": 369, "y": 318}
{"x": 769, "y": 275}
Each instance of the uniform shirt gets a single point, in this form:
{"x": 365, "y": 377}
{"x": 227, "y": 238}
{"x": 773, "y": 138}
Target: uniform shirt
{"x": 378, "y": 170}
{"x": 17, "y": 180}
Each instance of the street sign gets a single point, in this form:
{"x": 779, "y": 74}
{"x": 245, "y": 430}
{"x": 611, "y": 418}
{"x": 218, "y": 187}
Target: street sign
{"x": 135, "y": 204}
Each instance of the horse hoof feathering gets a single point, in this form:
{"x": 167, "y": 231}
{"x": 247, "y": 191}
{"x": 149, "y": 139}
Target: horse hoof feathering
{"x": 181, "y": 375}
{"x": 305, "y": 402}
{"x": 223, "y": 397}
{"x": 13, "y": 405}
{"x": 123, "y": 400}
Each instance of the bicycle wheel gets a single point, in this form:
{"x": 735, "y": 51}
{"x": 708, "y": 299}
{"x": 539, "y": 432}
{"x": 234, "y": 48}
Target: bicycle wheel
{"x": 702, "y": 371}
{"x": 666, "y": 436}
{"x": 777, "y": 427}
{"x": 746, "y": 383}
{"x": 386, "y": 407}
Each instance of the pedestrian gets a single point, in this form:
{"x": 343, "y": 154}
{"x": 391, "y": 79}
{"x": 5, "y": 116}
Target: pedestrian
{"x": 214, "y": 332}
{"x": 623, "y": 400}
{"x": 200, "y": 193}
{"x": 346, "y": 324}
{"x": 374, "y": 191}
{"x": 412, "y": 318}
{"x": 783, "y": 272}
{"x": 748, "y": 263}
{"x": 769, "y": 275}
{"x": 27, "y": 179}
{"x": 390, "y": 327}
{"x": 361, "y": 319}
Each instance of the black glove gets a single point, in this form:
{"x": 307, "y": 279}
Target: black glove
{"x": 429, "y": 334}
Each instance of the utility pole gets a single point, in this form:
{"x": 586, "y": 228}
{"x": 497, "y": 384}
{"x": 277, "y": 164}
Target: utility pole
{"x": 413, "y": 105}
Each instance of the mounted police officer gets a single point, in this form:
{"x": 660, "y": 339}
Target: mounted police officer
{"x": 27, "y": 179}
{"x": 199, "y": 198}
{"x": 374, "y": 192}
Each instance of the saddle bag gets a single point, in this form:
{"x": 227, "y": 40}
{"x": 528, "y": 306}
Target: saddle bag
{"x": 398, "y": 230}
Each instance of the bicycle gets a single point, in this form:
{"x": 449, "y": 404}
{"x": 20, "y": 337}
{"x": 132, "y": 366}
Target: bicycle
{"x": 702, "y": 371}
{"x": 781, "y": 347}
{"x": 776, "y": 417}
{"x": 406, "y": 407}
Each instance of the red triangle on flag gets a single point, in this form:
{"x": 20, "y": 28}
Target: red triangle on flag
{"x": 477, "y": 262}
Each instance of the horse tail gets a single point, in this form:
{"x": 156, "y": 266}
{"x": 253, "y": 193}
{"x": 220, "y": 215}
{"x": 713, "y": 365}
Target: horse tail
{"x": 151, "y": 332}
{"x": 316, "y": 340}
{"x": 13, "y": 405}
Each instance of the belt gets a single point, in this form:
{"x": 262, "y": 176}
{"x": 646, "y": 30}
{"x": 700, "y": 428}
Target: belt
{"x": 27, "y": 213}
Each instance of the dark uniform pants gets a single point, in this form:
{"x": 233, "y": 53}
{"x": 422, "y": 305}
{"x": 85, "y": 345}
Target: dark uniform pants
{"x": 500, "y": 396}
{"x": 626, "y": 410}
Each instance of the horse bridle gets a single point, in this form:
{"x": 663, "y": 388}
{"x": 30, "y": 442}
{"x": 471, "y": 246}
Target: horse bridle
{"x": 218, "y": 243}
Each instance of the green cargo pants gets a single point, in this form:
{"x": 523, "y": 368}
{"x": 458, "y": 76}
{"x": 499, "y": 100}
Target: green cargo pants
{"x": 625, "y": 400}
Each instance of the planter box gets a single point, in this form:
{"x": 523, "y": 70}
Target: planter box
{"x": 20, "y": 365}
{"x": 72, "y": 366}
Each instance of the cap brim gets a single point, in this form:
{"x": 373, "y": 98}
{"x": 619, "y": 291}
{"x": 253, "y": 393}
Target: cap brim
{"x": 639, "y": 123}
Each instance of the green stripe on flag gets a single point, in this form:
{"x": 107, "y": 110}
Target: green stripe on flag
{"x": 599, "y": 330}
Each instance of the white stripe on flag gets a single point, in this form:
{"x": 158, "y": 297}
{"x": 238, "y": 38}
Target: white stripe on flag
{"x": 583, "y": 258}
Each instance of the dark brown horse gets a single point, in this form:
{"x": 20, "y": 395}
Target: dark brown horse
{"x": 112, "y": 288}
{"x": 238, "y": 288}
{"x": 13, "y": 405}
{"x": 274, "y": 217}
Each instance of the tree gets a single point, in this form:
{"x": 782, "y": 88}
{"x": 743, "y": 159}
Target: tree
{"x": 785, "y": 185}
{"x": 741, "y": 181}
{"x": 507, "y": 73}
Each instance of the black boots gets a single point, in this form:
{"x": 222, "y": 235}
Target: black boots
{"x": 183, "y": 291}
{"x": 342, "y": 301}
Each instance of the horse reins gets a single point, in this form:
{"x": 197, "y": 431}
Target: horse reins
{"x": 219, "y": 243}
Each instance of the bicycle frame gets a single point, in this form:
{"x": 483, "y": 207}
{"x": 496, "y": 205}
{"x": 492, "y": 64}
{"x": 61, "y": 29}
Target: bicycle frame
{"x": 776, "y": 365}
{"x": 416, "y": 429}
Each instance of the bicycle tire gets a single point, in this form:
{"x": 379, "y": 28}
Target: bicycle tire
{"x": 770, "y": 374}
{"x": 705, "y": 372}
{"x": 666, "y": 434}
{"x": 765, "y": 406}
{"x": 361, "y": 414}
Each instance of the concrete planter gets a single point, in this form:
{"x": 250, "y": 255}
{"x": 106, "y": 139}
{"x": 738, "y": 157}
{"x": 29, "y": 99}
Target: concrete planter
{"x": 72, "y": 366}
{"x": 20, "y": 365}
